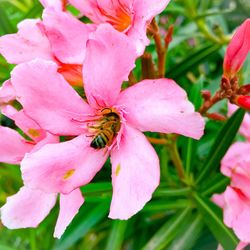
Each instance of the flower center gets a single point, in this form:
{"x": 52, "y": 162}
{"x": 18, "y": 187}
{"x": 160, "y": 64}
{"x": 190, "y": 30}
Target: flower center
{"x": 105, "y": 128}
{"x": 120, "y": 19}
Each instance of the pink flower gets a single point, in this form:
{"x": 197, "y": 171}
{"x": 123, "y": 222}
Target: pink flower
{"x": 237, "y": 50}
{"x": 130, "y": 17}
{"x": 236, "y": 213}
{"x": 110, "y": 117}
{"x": 29, "y": 207}
{"x": 60, "y": 37}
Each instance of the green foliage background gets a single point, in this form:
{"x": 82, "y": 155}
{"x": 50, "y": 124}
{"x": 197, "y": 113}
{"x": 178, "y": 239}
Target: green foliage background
{"x": 180, "y": 216}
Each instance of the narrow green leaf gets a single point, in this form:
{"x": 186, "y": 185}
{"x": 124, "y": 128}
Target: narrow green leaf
{"x": 6, "y": 26}
{"x": 189, "y": 63}
{"x": 189, "y": 234}
{"x": 116, "y": 235}
{"x": 213, "y": 218}
{"x": 167, "y": 232}
{"x": 171, "y": 192}
{"x": 97, "y": 188}
{"x": 165, "y": 205}
{"x": 86, "y": 222}
{"x": 222, "y": 142}
{"x": 190, "y": 145}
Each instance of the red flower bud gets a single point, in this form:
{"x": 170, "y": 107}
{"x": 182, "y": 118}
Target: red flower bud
{"x": 243, "y": 101}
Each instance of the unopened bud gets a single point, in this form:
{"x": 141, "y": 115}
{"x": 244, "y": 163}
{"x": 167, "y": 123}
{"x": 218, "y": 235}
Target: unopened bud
{"x": 244, "y": 90}
{"x": 242, "y": 101}
{"x": 206, "y": 94}
{"x": 168, "y": 37}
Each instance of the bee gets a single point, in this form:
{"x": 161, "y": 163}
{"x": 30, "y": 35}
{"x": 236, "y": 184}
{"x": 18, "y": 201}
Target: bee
{"x": 106, "y": 130}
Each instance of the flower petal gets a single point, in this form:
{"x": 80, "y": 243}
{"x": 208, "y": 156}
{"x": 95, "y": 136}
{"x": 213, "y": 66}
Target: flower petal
{"x": 135, "y": 174}
{"x": 69, "y": 206}
{"x": 27, "y": 208}
{"x": 161, "y": 106}
{"x": 47, "y": 98}
{"x": 7, "y": 93}
{"x": 144, "y": 12}
{"x": 67, "y": 35}
{"x": 238, "y": 49}
{"x": 13, "y": 147}
{"x": 27, "y": 44}
{"x": 102, "y": 74}
{"x": 56, "y": 4}
{"x": 62, "y": 167}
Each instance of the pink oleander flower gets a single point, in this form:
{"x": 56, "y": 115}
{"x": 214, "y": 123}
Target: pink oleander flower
{"x": 237, "y": 50}
{"x": 109, "y": 122}
{"x": 236, "y": 207}
{"x": 29, "y": 207}
{"x": 235, "y": 201}
{"x": 129, "y": 17}
{"x": 59, "y": 37}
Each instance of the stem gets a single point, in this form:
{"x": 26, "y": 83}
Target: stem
{"x": 209, "y": 103}
{"x": 148, "y": 70}
{"x": 159, "y": 141}
{"x": 175, "y": 156}
{"x": 132, "y": 79}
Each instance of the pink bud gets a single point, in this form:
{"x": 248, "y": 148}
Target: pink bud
{"x": 237, "y": 50}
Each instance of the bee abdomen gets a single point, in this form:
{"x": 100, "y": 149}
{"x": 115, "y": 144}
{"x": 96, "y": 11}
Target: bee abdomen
{"x": 100, "y": 141}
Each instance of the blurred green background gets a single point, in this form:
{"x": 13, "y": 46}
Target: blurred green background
{"x": 177, "y": 216}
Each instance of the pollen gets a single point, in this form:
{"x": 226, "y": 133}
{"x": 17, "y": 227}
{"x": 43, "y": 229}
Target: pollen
{"x": 68, "y": 174}
{"x": 118, "y": 169}
{"x": 34, "y": 132}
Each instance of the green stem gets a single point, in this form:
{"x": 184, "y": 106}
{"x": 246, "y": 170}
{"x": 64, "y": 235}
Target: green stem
{"x": 175, "y": 156}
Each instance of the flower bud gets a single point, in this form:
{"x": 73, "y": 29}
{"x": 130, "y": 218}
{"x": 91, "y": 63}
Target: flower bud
{"x": 243, "y": 101}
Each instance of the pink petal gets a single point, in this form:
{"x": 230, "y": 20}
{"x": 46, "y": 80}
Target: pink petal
{"x": 25, "y": 123}
{"x": 109, "y": 59}
{"x": 234, "y": 206}
{"x": 29, "y": 43}
{"x": 7, "y": 93}
{"x": 62, "y": 167}
{"x": 13, "y": 147}
{"x": 47, "y": 98}
{"x": 69, "y": 206}
{"x": 219, "y": 200}
{"x": 144, "y": 13}
{"x": 135, "y": 174}
{"x": 236, "y": 158}
{"x": 238, "y": 49}
{"x": 27, "y": 208}
{"x": 56, "y": 4}
{"x": 161, "y": 106}
{"x": 241, "y": 226}
{"x": 67, "y": 35}
{"x": 242, "y": 245}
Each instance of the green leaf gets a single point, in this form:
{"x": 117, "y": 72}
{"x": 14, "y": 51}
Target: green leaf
{"x": 222, "y": 142}
{"x": 189, "y": 234}
{"x": 5, "y": 247}
{"x": 190, "y": 145}
{"x": 167, "y": 232}
{"x": 190, "y": 62}
{"x": 86, "y": 222}
{"x": 213, "y": 218}
{"x": 6, "y": 26}
{"x": 116, "y": 235}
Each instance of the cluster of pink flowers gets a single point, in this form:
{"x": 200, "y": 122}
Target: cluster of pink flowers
{"x": 56, "y": 53}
